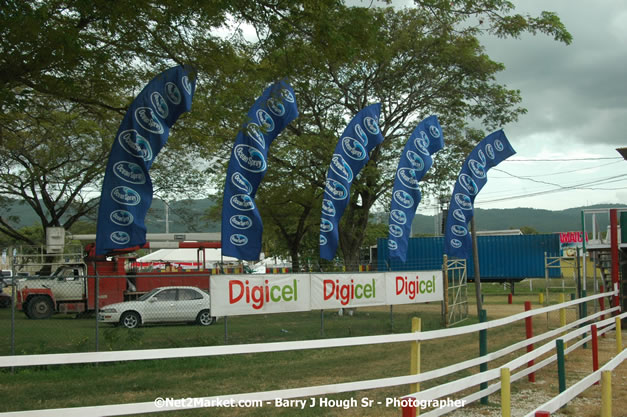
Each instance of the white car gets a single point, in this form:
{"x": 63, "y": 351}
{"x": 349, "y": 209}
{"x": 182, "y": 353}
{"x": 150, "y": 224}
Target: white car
{"x": 161, "y": 305}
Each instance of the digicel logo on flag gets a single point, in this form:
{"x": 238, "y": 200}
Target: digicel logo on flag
{"x": 257, "y": 295}
{"x": 415, "y": 287}
{"x": 347, "y": 292}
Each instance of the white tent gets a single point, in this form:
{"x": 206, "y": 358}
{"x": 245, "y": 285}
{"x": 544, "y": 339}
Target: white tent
{"x": 185, "y": 258}
{"x": 191, "y": 258}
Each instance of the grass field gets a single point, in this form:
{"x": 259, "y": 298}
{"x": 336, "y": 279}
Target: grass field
{"x": 111, "y": 383}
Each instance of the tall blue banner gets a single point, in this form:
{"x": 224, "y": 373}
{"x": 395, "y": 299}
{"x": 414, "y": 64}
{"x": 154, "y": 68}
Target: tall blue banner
{"x": 425, "y": 140}
{"x": 493, "y": 149}
{"x": 351, "y": 154}
{"x": 241, "y": 222}
{"x": 127, "y": 188}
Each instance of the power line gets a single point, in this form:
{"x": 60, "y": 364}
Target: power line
{"x": 561, "y": 160}
{"x": 526, "y": 179}
{"x": 554, "y": 184}
{"x": 562, "y": 172}
{"x": 595, "y": 182}
{"x": 560, "y": 189}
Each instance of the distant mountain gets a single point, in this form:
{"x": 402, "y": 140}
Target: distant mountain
{"x": 543, "y": 221}
{"x": 189, "y": 216}
{"x": 183, "y": 216}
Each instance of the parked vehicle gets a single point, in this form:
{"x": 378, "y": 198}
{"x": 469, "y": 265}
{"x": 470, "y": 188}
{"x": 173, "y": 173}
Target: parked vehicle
{"x": 7, "y": 277}
{"x": 72, "y": 287}
{"x": 5, "y": 300}
{"x": 161, "y": 305}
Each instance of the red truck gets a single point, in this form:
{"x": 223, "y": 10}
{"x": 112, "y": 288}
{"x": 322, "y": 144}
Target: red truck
{"x": 72, "y": 287}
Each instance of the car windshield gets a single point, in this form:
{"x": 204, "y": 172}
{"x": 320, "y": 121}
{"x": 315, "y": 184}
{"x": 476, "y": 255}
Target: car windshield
{"x": 148, "y": 294}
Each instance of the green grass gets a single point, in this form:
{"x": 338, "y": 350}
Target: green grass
{"x": 125, "y": 382}
{"x": 81, "y": 385}
{"x": 67, "y": 334}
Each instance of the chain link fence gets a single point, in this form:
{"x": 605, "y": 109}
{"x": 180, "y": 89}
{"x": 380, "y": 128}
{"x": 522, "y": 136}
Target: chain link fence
{"x": 71, "y": 309}
{"x": 74, "y": 313}
{"x": 121, "y": 307}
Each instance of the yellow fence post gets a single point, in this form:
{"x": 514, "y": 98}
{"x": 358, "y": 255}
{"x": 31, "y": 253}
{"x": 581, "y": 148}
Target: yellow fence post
{"x": 606, "y": 394}
{"x": 541, "y": 298}
{"x": 506, "y": 408}
{"x": 563, "y": 317}
{"x": 619, "y": 337}
{"x": 416, "y": 326}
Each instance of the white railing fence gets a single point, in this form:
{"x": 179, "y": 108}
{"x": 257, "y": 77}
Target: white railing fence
{"x": 268, "y": 397}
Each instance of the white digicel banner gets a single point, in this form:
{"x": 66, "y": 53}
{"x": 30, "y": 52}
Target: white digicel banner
{"x": 233, "y": 295}
{"x": 347, "y": 290}
{"x": 413, "y": 287}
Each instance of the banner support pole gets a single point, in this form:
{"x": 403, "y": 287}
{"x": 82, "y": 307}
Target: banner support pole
{"x": 475, "y": 259}
{"x": 445, "y": 290}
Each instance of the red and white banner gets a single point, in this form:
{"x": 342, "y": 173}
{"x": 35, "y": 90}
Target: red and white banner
{"x": 413, "y": 287}
{"x": 233, "y": 295}
{"x": 347, "y": 290}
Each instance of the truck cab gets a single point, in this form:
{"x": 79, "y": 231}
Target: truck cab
{"x": 64, "y": 290}
{"x": 83, "y": 281}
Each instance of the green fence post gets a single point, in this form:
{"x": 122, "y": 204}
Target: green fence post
{"x": 561, "y": 369}
{"x": 584, "y": 312}
{"x": 483, "y": 350}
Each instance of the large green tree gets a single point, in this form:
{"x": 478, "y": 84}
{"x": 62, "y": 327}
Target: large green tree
{"x": 68, "y": 72}
{"x": 416, "y": 62}
{"x": 69, "y": 69}
{"x": 51, "y": 156}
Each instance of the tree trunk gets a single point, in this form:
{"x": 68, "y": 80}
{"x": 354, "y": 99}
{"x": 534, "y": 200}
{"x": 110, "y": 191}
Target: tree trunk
{"x": 353, "y": 230}
{"x": 295, "y": 260}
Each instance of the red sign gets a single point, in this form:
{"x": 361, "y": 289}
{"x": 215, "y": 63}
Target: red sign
{"x": 572, "y": 237}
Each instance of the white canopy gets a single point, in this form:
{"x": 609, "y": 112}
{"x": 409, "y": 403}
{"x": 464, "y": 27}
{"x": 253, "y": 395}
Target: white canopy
{"x": 186, "y": 257}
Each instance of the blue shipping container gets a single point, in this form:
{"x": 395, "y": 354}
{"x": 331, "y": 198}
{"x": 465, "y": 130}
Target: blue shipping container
{"x": 501, "y": 258}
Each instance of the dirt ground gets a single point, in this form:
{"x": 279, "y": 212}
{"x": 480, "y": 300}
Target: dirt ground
{"x": 526, "y": 396}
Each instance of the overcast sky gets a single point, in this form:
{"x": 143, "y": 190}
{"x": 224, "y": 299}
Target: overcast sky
{"x": 576, "y": 97}
{"x": 576, "y": 101}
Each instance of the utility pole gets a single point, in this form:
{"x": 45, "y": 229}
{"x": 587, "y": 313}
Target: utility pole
{"x": 167, "y": 216}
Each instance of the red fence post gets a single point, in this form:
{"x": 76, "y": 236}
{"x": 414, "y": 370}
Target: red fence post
{"x": 595, "y": 349}
{"x": 510, "y": 298}
{"x": 408, "y": 411}
{"x": 529, "y": 331}
{"x": 543, "y": 414}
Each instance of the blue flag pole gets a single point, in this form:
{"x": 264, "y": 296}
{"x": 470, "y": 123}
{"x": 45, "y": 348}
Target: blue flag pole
{"x": 351, "y": 154}
{"x": 491, "y": 151}
{"x": 242, "y": 227}
{"x": 127, "y": 188}
{"x": 415, "y": 161}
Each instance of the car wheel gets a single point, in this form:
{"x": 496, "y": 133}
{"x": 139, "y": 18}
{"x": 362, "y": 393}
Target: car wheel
{"x": 130, "y": 320}
{"x": 40, "y": 307}
{"x": 205, "y": 318}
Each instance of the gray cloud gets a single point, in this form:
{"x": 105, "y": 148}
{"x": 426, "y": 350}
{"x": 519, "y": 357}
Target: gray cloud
{"x": 574, "y": 93}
